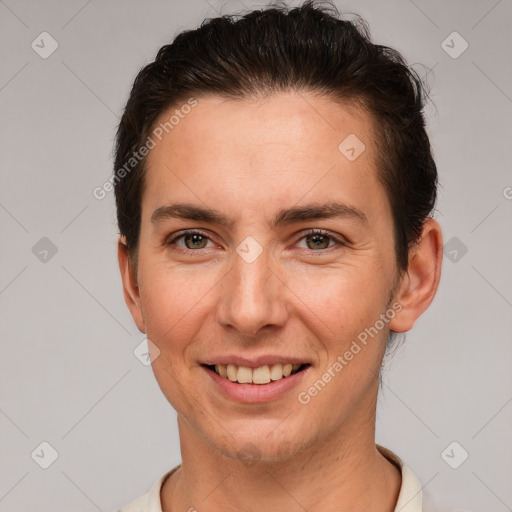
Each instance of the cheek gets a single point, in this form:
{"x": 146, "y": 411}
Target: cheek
{"x": 349, "y": 307}
{"x": 172, "y": 302}
{"x": 346, "y": 300}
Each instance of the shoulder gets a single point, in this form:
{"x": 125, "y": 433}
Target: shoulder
{"x": 138, "y": 505}
{"x": 410, "y": 497}
{"x": 149, "y": 502}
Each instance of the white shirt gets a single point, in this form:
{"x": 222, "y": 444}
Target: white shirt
{"x": 409, "y": 498}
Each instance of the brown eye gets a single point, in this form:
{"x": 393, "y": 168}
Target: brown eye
{"x": 318, "y": 241}
{"x": 195, "y": 241}
{"x": 190, "y": 240}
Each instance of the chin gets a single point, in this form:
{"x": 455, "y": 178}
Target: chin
{"x": 252, "y": 449}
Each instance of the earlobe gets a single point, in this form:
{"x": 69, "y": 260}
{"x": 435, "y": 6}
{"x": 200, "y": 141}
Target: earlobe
{"x": 419, "y": 284}
{"x": 130, "y": 287}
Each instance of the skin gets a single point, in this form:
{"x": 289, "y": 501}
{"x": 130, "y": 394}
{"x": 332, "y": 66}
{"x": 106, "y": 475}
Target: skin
{"x": 249, "y": 159}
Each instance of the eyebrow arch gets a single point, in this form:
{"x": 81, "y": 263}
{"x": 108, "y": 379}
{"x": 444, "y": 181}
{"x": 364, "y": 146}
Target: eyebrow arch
{"x": 284, "y": 217}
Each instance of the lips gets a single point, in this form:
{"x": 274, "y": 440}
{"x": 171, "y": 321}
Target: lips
{"x": 254, "y": 362}
{"x": 253, "y": 393}
{"x": 263, "y": 369}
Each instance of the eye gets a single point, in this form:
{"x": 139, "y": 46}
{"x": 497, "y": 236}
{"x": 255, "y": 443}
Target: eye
{"x": 192, "y": 240}
{"x": 318, "y": 239}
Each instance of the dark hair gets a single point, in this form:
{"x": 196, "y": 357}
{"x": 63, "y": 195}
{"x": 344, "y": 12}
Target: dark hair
{"x": 307, "y": 48}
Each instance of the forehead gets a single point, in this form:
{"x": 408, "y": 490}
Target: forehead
{"x": 258, "y": 154}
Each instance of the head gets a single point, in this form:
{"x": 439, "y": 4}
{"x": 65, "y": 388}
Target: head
{"x": 293, "y": 151}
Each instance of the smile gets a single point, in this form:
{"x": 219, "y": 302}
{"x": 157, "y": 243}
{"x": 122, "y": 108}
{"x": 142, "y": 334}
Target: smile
{"x": 261, "y": 375}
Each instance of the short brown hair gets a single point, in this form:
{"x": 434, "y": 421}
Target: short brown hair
{"x": 308, "y": 48}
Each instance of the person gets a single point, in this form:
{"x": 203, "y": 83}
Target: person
{"x": 275, "y": 189}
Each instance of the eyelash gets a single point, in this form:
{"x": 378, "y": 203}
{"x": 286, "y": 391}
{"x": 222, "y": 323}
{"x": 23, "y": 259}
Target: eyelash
{"x": 339, "y": 241}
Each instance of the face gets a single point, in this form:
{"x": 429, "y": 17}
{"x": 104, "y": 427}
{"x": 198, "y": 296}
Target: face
{"x": 282, "y": 251}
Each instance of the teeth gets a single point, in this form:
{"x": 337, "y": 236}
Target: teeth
{"x": 232, "y": 371}
{"x": 261, "y": 375}
{"x": 221, "y": 370}
{"x": 276, "y": 371}
{"x": 287, "y": 369}
{"x": 244, "y": 375}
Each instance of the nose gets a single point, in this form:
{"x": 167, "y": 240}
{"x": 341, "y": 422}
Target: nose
{"x": 252, "y": 297}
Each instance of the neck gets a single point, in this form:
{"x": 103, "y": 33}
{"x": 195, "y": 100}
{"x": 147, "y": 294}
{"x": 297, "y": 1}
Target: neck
{"x": 345, "y": 473}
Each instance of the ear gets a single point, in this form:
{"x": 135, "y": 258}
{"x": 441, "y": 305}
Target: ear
{"x": 130, "y": 286}
{"x": 419, "y": 284}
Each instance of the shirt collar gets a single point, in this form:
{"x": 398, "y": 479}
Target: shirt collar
{"x": 409, "y": 498}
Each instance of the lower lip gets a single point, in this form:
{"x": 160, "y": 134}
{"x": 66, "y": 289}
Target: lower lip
{"x": 256, "y": 393}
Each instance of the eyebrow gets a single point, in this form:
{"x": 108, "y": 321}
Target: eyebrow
{"x": 292, "y": 215}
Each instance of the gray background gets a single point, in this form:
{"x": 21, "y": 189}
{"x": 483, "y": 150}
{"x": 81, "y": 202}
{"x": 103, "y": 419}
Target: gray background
{"x": 68, "y": 373}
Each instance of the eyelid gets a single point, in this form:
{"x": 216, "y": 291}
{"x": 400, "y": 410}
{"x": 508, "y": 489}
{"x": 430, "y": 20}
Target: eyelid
{"x": 172, "y": 238}
{"x": 340, "y": 240}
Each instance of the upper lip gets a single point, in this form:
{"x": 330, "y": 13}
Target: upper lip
{"x": 253, "y": 362}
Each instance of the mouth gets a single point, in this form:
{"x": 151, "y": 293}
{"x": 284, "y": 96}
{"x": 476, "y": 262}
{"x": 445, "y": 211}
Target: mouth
{"x": 262, "y": 375}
